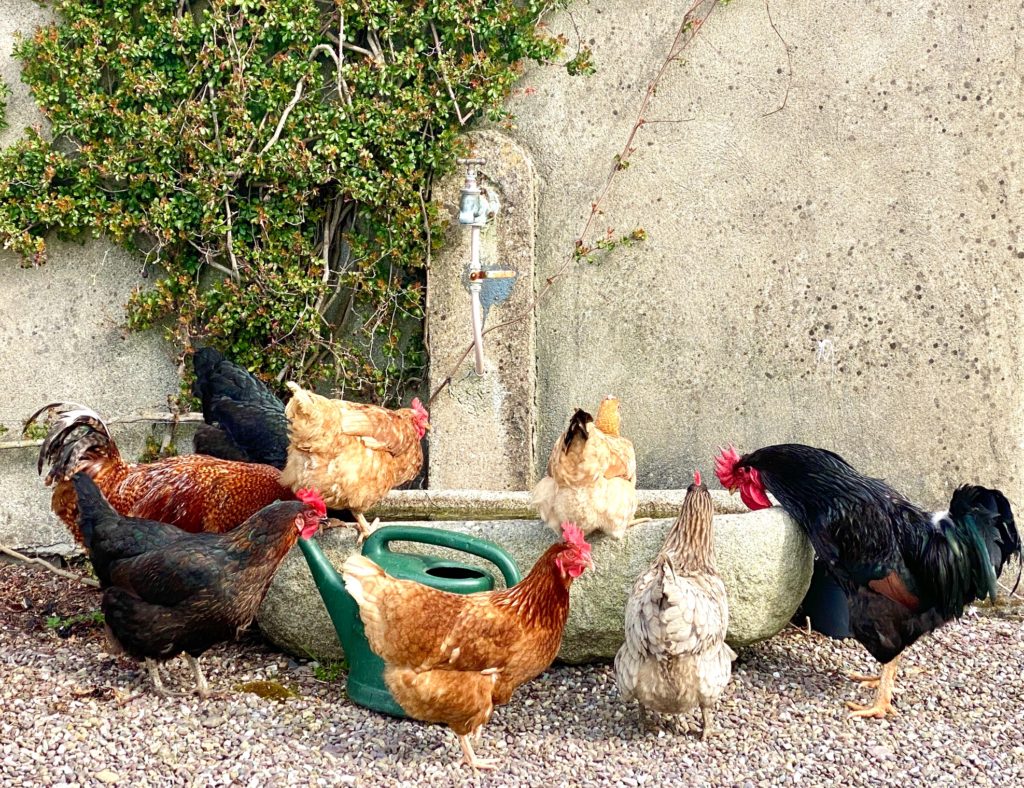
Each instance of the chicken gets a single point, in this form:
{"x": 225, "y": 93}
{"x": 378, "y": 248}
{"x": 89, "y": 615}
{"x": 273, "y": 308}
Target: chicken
{"x": 452, "y": 658}
{"x": 244, "y": 420}
{"x": 354, "y": 454}
{"x": 167, "y": 592}
{"x": 193, "y": 492}
{"x": 904, "y": 571}
{"x": 591, "y": 478}
{"x": 674, "y": 657}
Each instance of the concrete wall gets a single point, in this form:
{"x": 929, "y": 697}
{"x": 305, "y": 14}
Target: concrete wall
{"x": 844, "y": 272}
{"x": 62, "y": 336}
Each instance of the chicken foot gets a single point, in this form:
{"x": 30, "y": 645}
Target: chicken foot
{"x": 871, "y": 682}
{"x": 470, "y": 757}
{"x": 883, "y": 699}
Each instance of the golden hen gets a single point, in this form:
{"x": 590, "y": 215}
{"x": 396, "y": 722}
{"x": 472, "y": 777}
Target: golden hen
{"x": 675, "y": 658}
{"x": 352, "y": 453}
{"x": 591, "y": 478}
{"x": 452, "y": 658}
{"x": 193, "y": 492}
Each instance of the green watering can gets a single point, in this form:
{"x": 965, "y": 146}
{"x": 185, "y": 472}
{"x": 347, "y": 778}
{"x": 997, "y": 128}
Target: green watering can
{"x": 365, "y": 675}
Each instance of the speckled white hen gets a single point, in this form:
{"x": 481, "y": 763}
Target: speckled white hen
{"x": 674, "y": 658}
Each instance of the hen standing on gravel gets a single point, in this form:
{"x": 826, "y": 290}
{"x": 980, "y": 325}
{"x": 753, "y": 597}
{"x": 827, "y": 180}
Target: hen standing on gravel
{"x": 675, "y": 657}
{"x": 168, "y": 592}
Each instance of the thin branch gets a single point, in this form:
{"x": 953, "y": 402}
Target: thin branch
{"x": 689, "y": 27}
{"x": 230, "y": 238}
{"x": 284, "y": 117}
{"x": 789, "y": 57}
{"x": 88, "y": 581}
{"x": 463, "y": 119}
{"x": 426, "y": 296}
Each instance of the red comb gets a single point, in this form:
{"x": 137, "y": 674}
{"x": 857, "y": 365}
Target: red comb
{"x": 311, "y": 497}
{"x": 725, "y": 466}
{"x": 696, "y": 478}
{"x": 573, "y": 535}
{"x": 417, "y": 406}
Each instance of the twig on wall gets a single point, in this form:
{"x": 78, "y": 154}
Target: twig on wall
{"x": 789, "y": 57}
{"x": 692, "y": 22}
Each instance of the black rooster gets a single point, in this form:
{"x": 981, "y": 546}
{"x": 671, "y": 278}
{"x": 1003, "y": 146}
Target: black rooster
{"x": 244, "y": 420}
{"x": 167, "y": 592}
{"x": 905, "y": 572}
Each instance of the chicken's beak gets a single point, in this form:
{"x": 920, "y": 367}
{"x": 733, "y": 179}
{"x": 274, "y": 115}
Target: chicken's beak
{"x": 328, "y": 523}
{"x": 732, "y": 490}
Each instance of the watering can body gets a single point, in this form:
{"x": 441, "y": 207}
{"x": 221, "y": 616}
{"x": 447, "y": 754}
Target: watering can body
{"x": 365, "y": 678}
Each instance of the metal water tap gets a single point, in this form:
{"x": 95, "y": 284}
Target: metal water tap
{"x": 476, "y": 207}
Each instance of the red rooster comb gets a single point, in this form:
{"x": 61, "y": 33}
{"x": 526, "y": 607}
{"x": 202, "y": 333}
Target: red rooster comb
{"x": 574, "y": 536}
{"x": 725, "y": 467}
{"x": 311, "y": 497}
{"x": 696, "y": 478}
{"x": 417, "y": 406}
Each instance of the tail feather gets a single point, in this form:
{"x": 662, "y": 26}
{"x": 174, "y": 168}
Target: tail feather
{"x": 62, "y": 450}
{"x": 989, "y": 518}
{"x": 249, "y": 418}
{"x": 577, "y": 427}
{"x": 966, "y": 552}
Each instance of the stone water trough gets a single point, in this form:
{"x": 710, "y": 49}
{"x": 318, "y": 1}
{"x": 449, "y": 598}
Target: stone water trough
{"x": 762, "y": 556}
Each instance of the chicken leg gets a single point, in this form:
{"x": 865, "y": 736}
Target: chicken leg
{"x": 470, "y": 757}
{"x": 883, "y": 699}
{"x": 365, "y": 528}
{"x": 154, "y": 675}
{"x": 709, "y": 722}
{"x": 203, "y": 687}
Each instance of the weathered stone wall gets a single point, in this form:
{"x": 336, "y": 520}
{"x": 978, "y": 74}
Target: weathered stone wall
{"x": 62, "y": 335}
{"x": 842, "y": 272}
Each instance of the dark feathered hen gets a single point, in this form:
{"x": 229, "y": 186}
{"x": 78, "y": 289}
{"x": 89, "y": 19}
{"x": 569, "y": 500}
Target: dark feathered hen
{"x": 244, "y": 420}
{"x": 905, "y": 572}
{"x": 166, "y": 594}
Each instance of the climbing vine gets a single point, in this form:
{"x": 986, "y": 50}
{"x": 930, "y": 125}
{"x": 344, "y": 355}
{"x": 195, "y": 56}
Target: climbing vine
{"x": 271, "y": 161}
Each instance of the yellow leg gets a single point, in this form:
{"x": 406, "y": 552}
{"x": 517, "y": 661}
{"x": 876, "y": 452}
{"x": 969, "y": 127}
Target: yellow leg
{"x": 883, "y": 699}
{"x": 869, "y": 682}
{"x": 365, "y": 528}
{"x": 639, "y": 520}
{"x": 470, "y": 757}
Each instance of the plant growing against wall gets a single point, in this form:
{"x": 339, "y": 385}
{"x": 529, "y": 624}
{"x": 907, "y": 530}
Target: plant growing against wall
{"x": 273, "y": 161}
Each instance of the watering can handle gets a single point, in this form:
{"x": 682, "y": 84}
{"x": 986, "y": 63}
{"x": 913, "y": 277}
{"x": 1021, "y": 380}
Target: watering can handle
{"x": 379, "y": 540}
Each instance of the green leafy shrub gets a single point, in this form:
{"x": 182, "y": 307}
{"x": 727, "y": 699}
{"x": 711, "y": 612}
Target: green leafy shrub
{"x": 273, "y": 161}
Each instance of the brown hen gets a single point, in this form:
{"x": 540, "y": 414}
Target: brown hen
{"x": 452, "y": 658}
{"x": 194, "y": 492}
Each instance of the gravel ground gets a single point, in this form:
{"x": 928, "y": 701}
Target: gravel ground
{"x": 62, "y": 720}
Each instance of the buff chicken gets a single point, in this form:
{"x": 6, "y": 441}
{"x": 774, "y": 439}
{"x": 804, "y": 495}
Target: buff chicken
{"x": 193, "y": 491}
{"x": 675, "y": 658}
{"x": 354, "y": 454}
{"x": 591, "y": 476}
{"x": 452, "y": 658}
